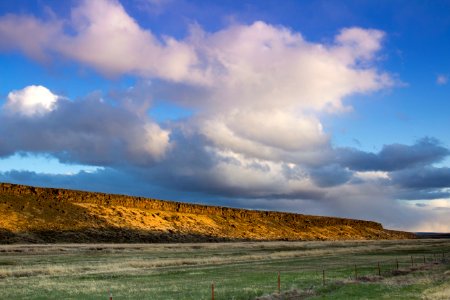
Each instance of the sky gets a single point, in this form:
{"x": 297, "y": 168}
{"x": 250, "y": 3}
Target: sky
{"x": 337, "y": 108}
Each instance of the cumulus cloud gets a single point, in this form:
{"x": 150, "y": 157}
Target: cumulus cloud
{"x": 330, "y": 175}
{"x": 264, "y": 67}
{"x": 264, "y": 85}
{"x": 256, "y": 88}
{"x": 103, "y": 36}
{"x": 31, "y": 101}
{"x": 32, "y": 36}
{"x": 258, "y": 93}
{"x": 363, "y": 42}
{"x": 394, "y": 157}
{"x": 423, "y": 178}
{"x": 89, "y": 131}
{"x": 276, "y": 136}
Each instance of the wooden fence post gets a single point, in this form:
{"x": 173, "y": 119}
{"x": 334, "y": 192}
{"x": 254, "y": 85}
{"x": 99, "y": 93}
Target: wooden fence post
{"x": 212, "y": 290}
{"x": 424, "y": 260}
{"x": 412, "y": 261}
{"x": 279, "y": 283}
{"x": 323, "y": 276}
{"x": 396, "y": 261}
{"x": 379, "y": 270}
{"x": 356, "y": 273}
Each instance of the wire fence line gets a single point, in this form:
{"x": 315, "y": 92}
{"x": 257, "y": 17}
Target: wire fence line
{"x": 365, "y": 271}
{"x": 264, "y": 280}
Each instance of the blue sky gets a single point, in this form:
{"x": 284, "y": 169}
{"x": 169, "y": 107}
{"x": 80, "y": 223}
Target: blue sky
{"x": 317, "y": 107}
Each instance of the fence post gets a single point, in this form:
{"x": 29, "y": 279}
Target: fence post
{"x": 212, "y": 290}
{"x": 424, "y": 260}
{"x": 279, "y": 283}
{"x": 412, "y": 261}
{"x": 396, "y": 260}
{"x": 379, "y": 270}
{"x": 356, "y": 273}
{"x": 323, "y": 276}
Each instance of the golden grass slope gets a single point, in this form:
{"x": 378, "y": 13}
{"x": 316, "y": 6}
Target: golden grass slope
{"x": 31, "y": 214}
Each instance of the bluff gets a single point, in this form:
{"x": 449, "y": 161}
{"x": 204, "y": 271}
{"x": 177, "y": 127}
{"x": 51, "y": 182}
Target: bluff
{"x": 47, "y": 215}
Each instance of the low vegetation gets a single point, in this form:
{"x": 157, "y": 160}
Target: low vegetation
{"x": 246, "y": 270}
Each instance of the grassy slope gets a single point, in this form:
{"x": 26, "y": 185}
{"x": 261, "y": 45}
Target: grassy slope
{"x": 29, "y": 214}
{"x": 239, "y": 270}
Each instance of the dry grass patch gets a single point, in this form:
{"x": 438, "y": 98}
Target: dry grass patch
{"x": 439, "y": 292}
{"x": 289, "y": 295}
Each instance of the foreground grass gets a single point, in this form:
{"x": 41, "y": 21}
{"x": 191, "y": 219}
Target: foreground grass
{"x": 238, "y": 270}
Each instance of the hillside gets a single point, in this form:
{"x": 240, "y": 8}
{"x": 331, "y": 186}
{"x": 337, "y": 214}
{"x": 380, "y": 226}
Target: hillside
{"x": 36, "y": 215}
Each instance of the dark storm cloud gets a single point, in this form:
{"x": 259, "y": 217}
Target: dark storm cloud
{"x": 422, "y": 178}
{"x": 186, "y": 167}
{"x": 394, "y": 157}
{"x": 306, "y": 194}
{"x": 331, "y": 175}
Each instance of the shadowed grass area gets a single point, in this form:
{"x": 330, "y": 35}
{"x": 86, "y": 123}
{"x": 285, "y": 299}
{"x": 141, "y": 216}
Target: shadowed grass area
{"x": 238, "y": 270}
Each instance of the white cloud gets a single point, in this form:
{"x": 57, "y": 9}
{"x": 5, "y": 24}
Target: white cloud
{"x": 270, "y": 135}
{"x": 108, "y": 39}
{"x": 363, "y": 42}
{"x": 258, "y": 91}
{"x": 260, "y": 66}
{"x": 105, "y": 37}
{"x": 372, "y": 175}
{"x": 239, "y": 58}
{"x": 31, "y": 101}
{"x": 90, "y": 131}
{"x": 259, "y": 88}
{"x": 442, "y": 79}
{"x": 255, "y": 177}
{"x": 152, "y": 140}
{"x": 34, "y": 37}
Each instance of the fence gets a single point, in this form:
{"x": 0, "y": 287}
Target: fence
{"x": 268, "y": 280}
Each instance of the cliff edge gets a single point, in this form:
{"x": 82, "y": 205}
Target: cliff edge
{"x": 47, "y": 215}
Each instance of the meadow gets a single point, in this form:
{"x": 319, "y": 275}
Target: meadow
{"x": 238, "y": 270}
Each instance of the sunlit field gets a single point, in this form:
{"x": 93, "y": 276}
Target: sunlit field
{"x": 237, "y": 270}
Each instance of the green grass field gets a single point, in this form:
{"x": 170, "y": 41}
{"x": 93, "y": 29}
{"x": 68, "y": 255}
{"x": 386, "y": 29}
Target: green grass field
{"x": 238, "y": 270}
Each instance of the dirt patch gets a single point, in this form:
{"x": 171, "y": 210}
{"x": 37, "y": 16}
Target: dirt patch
{"x": 370, "y": 278}
{"x": 399, "y": 272}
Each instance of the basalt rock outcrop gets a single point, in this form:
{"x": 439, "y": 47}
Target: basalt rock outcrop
{"x": 35, "y": 215}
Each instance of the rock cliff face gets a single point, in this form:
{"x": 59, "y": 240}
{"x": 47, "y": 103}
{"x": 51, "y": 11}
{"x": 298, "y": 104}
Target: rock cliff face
{"x": 32, "y": 214}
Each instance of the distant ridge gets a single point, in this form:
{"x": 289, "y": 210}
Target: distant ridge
{"x": 47, "y": 215}
{"x": 432, "y": 235}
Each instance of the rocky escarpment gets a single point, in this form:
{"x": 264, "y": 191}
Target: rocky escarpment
{"x": 32, "y": 214}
